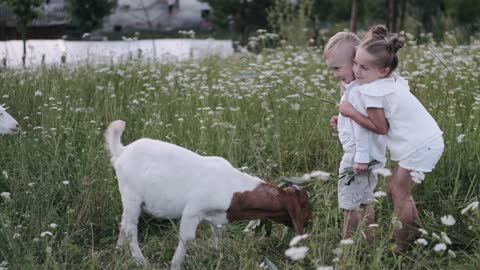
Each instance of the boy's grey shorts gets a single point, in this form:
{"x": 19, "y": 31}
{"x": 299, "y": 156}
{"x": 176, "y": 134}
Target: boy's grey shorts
{"x": 360, "y": 191}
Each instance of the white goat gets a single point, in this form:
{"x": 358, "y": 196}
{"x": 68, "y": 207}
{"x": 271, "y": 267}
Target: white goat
{"x": 8, "y": 125}
{"x": 168, "y": 181}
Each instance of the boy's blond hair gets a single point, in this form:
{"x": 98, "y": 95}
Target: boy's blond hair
{"x": 346, "y": 42}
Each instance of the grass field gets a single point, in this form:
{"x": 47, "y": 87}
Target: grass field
{"x": 64, "y": 206}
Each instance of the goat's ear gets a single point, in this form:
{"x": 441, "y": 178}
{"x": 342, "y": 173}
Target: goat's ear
{"x": 295, "y": 213}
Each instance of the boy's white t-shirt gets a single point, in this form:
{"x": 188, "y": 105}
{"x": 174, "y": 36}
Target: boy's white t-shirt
{"x": 410, "y": 124}
{"x": 366, "y": 145}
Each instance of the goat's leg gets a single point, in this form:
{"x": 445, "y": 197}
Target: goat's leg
{"x": 188, "y": 226}
{"x": 129, "y": 229}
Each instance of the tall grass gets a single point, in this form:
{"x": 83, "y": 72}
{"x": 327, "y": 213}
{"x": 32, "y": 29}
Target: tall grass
{"x": 61, "y": 182}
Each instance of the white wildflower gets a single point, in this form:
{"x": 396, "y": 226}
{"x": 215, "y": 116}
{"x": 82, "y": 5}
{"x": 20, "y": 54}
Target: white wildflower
{"x": 471, "y": 207}
{"x": 53, "y": 225}
{"x": 417, "y": 177}
{"x": 252, "y": 225}
{"x": 296, "y": 253}
{"x": 295, "y": 106}
{"x": 38, "y": 93}
{"x": 5, "y": 174}
{"x": 440, "y": 247}
{"x": 397, "y": 224}
{"x": 379, "y": 194}
{"x": 423, "y": 231}
{"x": 5, "y": 195}
{"x": 320, "y": 175}
{"x": 66, "y": 182}
{"x": 452, "y": 254}
{"x": 46, "y": 234}
{"x": 324, "y": 267}
{"x": 337, "y": 251}
{"x": 421, "y": 241}
{"x": 448, "y": 220}
{"x": 297, "y": 239}
{"x": 373, "y": 225}
{"x": 347, "y": 241}
{"x": 306, "y": 176}
{"x": 445, "y": 238}
{"x": 382, "y": 171}
{"x": 460, "y": 138}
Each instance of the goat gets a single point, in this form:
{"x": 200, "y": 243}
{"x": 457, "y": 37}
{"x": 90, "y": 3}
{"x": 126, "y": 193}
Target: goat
{"x": 168, "y": 181}
{"x": 8, "y": 125}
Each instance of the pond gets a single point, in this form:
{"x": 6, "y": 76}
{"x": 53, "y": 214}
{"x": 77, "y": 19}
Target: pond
{"x": 52, "y": 51}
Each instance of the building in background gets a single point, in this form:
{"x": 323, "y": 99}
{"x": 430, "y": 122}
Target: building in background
{"x": 156, "y": 15}
{"x": 129, "y": 15}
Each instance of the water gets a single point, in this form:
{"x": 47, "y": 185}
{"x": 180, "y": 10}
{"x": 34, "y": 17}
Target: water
{"x": 51, "y": 51}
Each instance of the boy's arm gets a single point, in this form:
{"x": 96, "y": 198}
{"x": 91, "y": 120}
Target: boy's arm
{"x": 362, "y": 146}
{"x": 375, "y": 122}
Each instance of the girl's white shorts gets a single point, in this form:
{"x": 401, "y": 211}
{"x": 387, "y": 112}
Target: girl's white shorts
{"x": 424, "y": 158}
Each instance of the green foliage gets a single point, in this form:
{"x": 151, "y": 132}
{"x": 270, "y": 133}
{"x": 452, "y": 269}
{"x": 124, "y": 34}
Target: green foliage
{"x": 25, "y": 12}
{"x": 292, "y": 22}
{"x": 240, "y": 16}
{"x": 88, "y": 15}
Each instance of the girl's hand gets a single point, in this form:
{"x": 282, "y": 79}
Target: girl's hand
{"x": 345, "y": 108}
{"x": 360, "y": 168}
{"x": 334, "y": 122}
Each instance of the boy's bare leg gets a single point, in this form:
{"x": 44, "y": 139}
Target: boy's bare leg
{"x": 400, "y": 186}
{"x": 351, "y": 219}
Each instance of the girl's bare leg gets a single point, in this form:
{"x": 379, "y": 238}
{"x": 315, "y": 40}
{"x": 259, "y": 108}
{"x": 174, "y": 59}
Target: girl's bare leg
{"x": 400, "y": 186}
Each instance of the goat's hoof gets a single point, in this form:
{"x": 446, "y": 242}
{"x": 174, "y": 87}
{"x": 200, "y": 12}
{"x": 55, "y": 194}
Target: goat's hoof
{"x": 141, "y": 262}
{"x": 174, "y": 267}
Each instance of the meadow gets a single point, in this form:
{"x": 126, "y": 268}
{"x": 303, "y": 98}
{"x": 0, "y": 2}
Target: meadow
{"x": 60, "y": 206}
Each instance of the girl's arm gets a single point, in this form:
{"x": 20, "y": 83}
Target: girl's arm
{"x": 375, "y": 122}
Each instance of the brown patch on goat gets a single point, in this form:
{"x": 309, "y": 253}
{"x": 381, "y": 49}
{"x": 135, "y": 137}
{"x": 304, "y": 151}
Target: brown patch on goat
{"x": 286, "y": 206}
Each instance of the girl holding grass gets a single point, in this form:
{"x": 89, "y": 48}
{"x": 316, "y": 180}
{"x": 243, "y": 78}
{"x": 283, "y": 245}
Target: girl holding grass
{"x": 412, "y": 135}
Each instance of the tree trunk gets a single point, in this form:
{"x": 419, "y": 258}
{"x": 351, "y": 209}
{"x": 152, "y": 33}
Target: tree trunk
{"x": 402, "y": 14}
{"x": 392, "y": 16}
{"x": 24, "y": 39}
{"x": 354, "y": 15}
{"x": 243, "y": 28}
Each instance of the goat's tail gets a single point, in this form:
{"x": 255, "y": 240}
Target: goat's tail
{"x": 112, "y": 138}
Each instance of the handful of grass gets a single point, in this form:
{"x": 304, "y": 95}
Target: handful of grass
{"x": 350, "y": 175}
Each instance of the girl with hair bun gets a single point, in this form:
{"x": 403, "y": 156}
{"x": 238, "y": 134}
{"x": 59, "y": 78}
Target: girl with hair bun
{"x": 412, "y": 135}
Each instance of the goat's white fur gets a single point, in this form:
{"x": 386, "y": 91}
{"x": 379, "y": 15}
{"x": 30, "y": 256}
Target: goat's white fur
{"x": 171, "y": 182}
{"x": 8, "y": 125}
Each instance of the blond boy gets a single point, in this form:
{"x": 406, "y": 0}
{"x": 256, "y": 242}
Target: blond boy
{"x": 360, "y": 146}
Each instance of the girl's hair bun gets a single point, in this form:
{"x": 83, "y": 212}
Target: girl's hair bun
{"x": 378, "y": 32}
{"x": 394, "y": 44}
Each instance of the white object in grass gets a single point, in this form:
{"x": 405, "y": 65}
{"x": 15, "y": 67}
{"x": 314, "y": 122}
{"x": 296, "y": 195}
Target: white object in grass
{"x": 8, "y": 124}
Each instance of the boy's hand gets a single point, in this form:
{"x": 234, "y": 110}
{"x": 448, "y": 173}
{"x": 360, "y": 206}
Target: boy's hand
{"x": 360, "y": 168}
{"x": 345, "y": 108}
{"x": 334, "y": 122}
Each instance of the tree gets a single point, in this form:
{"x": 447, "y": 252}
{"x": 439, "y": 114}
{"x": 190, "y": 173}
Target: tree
{"x": 353, "y": 18}
{"x": 248, "y": 16}
{"x": 88, "y": 15}
{"x": 25, "y": 12}
{"x": 392, "y": 15}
